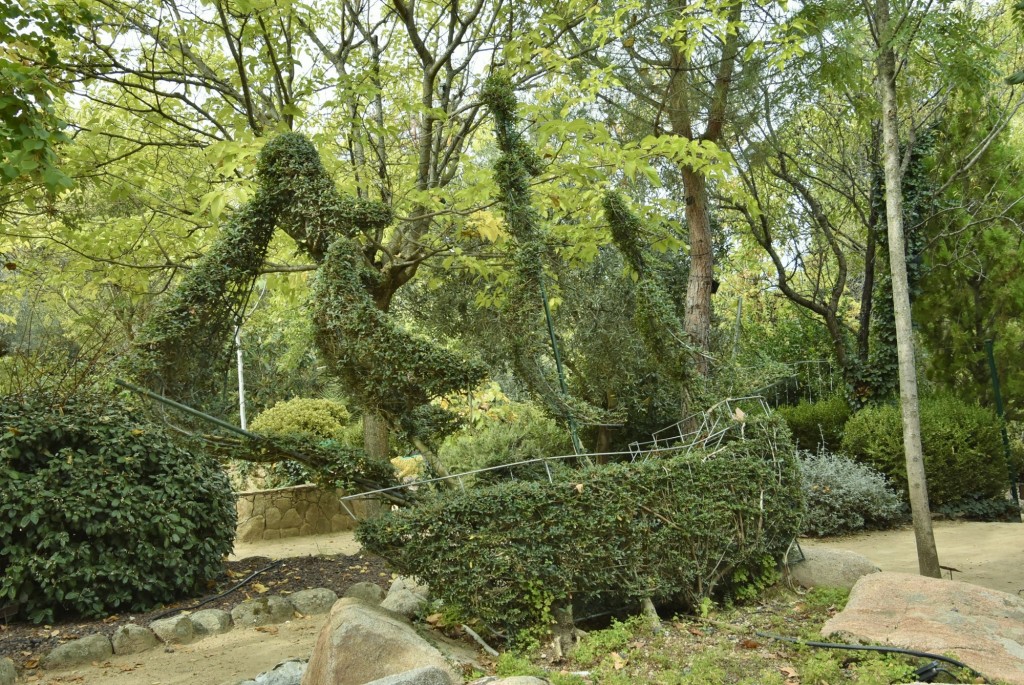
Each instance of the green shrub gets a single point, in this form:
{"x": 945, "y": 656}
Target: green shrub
{"x": 817, "y": 424}
{"x": 671, "y": 529}
{"x": 299, "y": 420}
{"x": 843, "y": 496}
{"x": 312, "y": 418}
{"x": 963, "y": 449}
{"x": 100, "y": 511}
{"x": 526, "y": 434}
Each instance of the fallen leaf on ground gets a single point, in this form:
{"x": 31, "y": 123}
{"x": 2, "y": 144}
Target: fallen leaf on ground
{"x": 618, "y": 663}
{"x": 270, "y": 630}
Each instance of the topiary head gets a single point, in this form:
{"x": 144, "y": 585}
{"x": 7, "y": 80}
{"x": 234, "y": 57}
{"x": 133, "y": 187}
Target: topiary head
{"x": 288, "y": 161}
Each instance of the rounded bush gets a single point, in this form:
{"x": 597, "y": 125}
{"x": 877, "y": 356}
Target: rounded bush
{"x": 817, "y": 424}
{"x": 101, "y": 511}
{"x": 304, "y": 420}
{"x": 844, "y": 496}
{"x": 963, "y": 450}
{"x": 322, "y": 419}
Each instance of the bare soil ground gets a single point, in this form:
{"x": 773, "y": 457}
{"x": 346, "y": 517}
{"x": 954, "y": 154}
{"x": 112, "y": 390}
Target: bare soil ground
{"x": 988, "y": 554}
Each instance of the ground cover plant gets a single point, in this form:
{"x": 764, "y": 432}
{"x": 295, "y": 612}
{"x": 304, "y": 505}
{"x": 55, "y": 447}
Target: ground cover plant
{"x": 100, "y": 511}
{"x": 724, "y": 645}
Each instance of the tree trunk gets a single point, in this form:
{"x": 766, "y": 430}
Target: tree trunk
{"x": 927, "y": 555}
{"x": 375, "y": 435}
{"x": 697, "y": 321}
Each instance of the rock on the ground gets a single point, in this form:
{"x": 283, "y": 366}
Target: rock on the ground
{"x": 366, "y": 591}
{"x": 406, "y": 597}
{"x": 318, "y": 600}
{"x": 7, "y": 672}
{"x": 176, "y": 630}
{"x": 211, "y": 622}
{"x": 285, "y": 673}
{"x": 360, "y": 643}
{"x": 132, "y": 639}
{"x": 261, "y": 611}
{"x": 428, "y": 675}
{"x": 830, "y": 568}
{"x": 983, "y": 628}
{"x": 81, "y": 651}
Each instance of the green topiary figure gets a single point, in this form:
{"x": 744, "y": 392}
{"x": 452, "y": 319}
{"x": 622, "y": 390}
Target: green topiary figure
{"x": 390, "y": 372}
{"x": 102, "y": 512}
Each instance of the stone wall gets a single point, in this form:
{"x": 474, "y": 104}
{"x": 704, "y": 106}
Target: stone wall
{"x": 298, "y": 510}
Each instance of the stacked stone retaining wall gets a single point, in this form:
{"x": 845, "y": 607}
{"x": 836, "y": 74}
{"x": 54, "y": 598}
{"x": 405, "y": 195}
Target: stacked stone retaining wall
{"x": 298, "y": 510}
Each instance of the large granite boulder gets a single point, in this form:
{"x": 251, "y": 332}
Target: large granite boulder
{"x": 823, "y": 567}
{"x": 361, "y": 643}
{"x": 981, "y": 627}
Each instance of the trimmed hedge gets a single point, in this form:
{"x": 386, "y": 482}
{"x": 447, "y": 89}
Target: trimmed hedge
{"x": 963, "y": 449}
{"x": 817, "y": 424}
{"x": 102, "y": 512}
{"x": 680, "y": 529}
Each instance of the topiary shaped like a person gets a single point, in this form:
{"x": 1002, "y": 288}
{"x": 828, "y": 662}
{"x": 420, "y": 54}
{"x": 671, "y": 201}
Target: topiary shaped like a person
{"x": 387, "y": 370}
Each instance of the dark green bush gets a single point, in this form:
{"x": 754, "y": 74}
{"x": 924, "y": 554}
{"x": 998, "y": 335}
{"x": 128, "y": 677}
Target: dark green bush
{"x": 844, "y": 496}
{"x": 817, "y": 424}
{"x": 963, "y": 449}
{"x": 100, "y": 511}
{"x": 680, "y": 529}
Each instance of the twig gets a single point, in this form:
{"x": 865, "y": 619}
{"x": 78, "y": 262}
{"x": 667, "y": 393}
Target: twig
{"x": 487, "y": 648}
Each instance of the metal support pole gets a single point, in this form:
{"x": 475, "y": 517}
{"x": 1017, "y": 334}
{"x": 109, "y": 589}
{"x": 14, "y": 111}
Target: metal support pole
{"x": 999, "y": 411}
{"x": 241, "y": 377}
{"x": 576, "y": 444}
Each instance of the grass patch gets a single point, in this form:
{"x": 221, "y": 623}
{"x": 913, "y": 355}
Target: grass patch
{"x": 722, "y": 647}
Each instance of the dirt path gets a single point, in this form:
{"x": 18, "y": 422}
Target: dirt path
{"x": 986, "y": 554}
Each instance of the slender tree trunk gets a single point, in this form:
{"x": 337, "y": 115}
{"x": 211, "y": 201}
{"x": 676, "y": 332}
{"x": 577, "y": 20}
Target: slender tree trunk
{"x": 697, "y": 321}
{"x": 927, "y": 555}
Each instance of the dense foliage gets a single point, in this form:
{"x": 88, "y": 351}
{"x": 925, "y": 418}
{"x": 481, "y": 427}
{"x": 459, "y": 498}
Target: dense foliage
{"x": 307, "y": 421}
{"x": 525, "y": 433}
{"x": 845, "y": 496}
{"x": 102, "y": 512}
{"x": 680, "y": 529}
{"x": 963, "y": 449}
{"x": 817, "y": 424}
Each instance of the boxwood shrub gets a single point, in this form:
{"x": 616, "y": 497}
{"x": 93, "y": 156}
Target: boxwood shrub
{"x": 963, "y": 450}
{"x": 680, "y": 530}
{"x": 100, "y": 511}
{"x": 817, "y": 424}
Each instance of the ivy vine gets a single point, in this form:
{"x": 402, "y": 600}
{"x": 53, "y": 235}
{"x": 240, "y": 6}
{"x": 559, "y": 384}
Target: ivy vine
{"x": 185, "y": 345}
